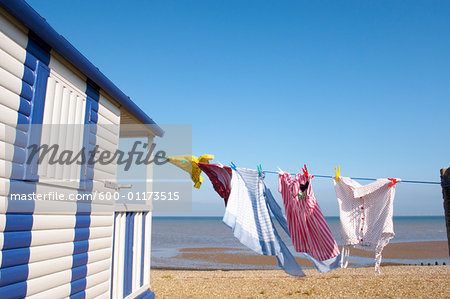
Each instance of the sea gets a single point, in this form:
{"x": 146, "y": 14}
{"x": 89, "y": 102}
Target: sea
{"x": 172, "y": 234}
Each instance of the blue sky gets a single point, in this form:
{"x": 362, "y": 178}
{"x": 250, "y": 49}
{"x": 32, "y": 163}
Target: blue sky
{"x": 360, "y": 84}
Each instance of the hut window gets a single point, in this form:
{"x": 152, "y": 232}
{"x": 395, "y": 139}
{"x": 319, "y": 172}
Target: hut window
{"x": 63, "y": 124}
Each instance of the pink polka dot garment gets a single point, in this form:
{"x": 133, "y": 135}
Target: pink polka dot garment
{"x": 366, "y": 214}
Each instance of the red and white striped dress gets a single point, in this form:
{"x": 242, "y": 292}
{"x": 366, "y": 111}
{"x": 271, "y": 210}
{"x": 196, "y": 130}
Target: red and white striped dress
{"x": 307, "y": 226}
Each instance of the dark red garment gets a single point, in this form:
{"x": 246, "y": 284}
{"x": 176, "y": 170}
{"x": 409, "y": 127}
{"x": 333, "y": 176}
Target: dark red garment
{"x": 220, "y": 177}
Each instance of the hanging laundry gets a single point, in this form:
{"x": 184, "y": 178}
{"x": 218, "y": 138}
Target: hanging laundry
{"x": 220, "y": 177}
{"x": 307, "y": 226}
{"x": 321, "y": 266}
{"x": 247, "y": 214}
{"x": 366, "y": 214}
{"x": 189, "y": 164}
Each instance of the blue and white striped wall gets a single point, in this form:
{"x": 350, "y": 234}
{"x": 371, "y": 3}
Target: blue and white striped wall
{"x": 51, "y": 248}
{"x": 131, "y": 258}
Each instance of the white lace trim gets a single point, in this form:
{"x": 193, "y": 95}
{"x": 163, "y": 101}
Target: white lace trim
{"x": 381, "y": 244}
{"x": 345, "y": 254}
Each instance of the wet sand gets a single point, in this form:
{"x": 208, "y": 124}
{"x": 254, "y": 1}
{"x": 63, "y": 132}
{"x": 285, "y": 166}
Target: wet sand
{"x": 408, "y": 250}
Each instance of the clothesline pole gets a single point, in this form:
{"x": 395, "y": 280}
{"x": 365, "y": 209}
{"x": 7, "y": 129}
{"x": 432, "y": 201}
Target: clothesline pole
{"x": 445, "y": 183}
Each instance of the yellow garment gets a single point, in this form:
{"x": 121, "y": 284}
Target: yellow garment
{"x": 189, "y": 164}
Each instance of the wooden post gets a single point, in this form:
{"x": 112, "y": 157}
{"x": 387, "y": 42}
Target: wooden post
{"x": 445, "y": 181}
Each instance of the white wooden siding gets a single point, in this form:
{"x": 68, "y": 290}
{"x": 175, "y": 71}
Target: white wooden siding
{"x": 107, "y": 138}
{"x": 13, "y": 40}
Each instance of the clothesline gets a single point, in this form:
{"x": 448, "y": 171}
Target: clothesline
{"x": 205, "y": 158}
{"x": 365, "y": 179}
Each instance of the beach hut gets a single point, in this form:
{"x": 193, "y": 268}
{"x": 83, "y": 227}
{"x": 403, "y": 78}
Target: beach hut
{"x": 59, "y": 248}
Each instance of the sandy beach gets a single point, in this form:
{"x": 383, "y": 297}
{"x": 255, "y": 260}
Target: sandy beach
{"x": 394, "y": 282}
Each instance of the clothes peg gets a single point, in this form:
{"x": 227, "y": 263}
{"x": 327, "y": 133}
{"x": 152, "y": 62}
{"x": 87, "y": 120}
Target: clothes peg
{"x": 394, "y": 181}
{"x": 279, "y": 170}
{"x": 337, "y": 171}
{"x": 305, "y": 172}
{"x": 233, "y": 166}
{"x": 220, "y": 164}
{"x": 259, "y": 169}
